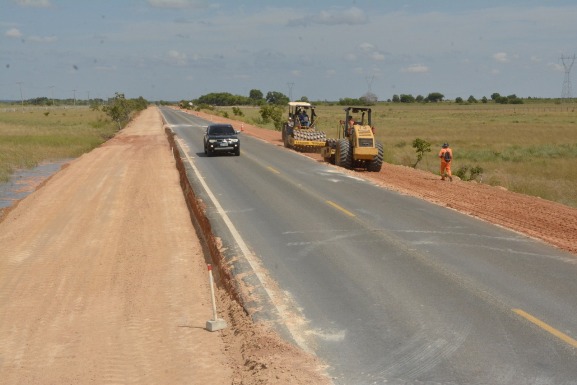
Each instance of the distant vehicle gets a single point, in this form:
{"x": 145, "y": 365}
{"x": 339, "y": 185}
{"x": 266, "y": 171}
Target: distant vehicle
{"x": 299, "y": 132}
{"x": 356, "y": 146}
{"x": 221, "y": 138}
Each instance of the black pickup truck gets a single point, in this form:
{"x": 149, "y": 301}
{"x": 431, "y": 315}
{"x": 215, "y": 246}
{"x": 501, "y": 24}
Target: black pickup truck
{"x": 221, "y": 138}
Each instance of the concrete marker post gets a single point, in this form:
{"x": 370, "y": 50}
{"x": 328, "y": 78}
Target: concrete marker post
{"x": 215, "y": 323}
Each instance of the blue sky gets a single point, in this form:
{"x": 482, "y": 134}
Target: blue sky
{"x": 322, "y": 49}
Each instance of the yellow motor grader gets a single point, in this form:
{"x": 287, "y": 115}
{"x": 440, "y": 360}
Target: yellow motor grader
{"x": 356, "y": 147}
{"x": 299, "y": 131}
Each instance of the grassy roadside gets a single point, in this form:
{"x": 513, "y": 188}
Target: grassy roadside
{"x": 31, "y": 136}
{"x": 529, "y": 148}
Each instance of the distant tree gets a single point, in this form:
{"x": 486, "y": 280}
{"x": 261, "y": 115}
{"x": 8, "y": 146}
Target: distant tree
{"x": 484, "y": 99}
{"x": 351, "y": 102}
{"x": 223, "y": 99}
{"x": 501, "y": 100}
{"x": 275, "y": 97}
{"x": 420, "y": 98}
{"x": 272, "y": 112}
{"x": 43, "y": 101}
{"x": 369, "y": 99}
{"x": 95, "y": 105}
{"x": 304, "y": 99}
{"x": 459, "y": 100}
{"x": 120, "y": 109}
{"x": 495, "y": 96}
{"x": 396, "y": 99}
{"x": 435, "y": 97}
{"x": 472, "y": 99}
{"x": 407, "y": 98}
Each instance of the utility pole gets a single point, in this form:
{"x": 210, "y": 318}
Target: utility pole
{"x": 74, "y": 96}
{"x": 290, "y": 86}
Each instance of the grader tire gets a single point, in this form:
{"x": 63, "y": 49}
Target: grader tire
{"x": 344, "y": 156}
{"x": 286, "y": 133}
{"x": 377, "y": 162}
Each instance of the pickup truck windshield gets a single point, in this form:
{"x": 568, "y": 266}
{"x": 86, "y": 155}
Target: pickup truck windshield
{"x": 221, "y": 130}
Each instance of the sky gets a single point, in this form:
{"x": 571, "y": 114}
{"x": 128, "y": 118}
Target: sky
{"x": 320, "y": 49}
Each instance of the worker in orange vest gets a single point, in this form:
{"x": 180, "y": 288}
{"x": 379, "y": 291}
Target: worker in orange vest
{"x": 446, "y": 155}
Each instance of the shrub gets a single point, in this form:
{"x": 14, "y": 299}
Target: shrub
{"x": 421, "y": 146}
{"x": 468, "y": 173}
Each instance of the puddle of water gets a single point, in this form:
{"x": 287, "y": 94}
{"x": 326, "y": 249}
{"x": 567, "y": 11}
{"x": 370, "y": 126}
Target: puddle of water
{"x": 24, "y": 182}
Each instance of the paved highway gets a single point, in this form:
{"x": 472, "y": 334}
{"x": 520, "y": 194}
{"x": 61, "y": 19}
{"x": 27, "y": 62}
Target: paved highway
{"x": 386, "y": 288}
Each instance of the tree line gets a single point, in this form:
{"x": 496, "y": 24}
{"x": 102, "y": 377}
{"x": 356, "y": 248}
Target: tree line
{"x": 436, "y": 97}
{"x": 257, "y": 98}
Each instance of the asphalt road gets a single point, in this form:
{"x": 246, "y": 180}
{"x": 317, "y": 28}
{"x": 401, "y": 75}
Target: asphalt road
{"x": 387, "y": 288}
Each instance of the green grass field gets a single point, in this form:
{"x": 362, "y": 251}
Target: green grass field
{"x": 31, "y": 136}
{"x": 528, "y": 148}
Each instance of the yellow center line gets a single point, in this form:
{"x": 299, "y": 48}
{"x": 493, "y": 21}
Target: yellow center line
{"x": 273, "y": 170}
{"x": 340, "y": 208}
{"x": 562, "y": 336}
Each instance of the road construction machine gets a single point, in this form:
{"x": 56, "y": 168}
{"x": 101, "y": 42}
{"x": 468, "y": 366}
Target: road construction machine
{"x": 299, "y": 131}
{"x": 356, "y": 146}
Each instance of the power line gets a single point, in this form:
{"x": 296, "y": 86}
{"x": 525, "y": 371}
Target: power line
{"x": 370, "y": 80}
{"x": 290, "y": 86}
{"x": 568, "y": 61}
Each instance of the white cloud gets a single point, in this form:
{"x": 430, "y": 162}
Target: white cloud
{"x": 377, "y": 56}
{"x": 42, "y": 39}
{"x": 350, "y": 57}
{"x": 179, "y": 4}
{"x": 367, "y": 47}
{"x": 177, "y": 58}
{"x": 501, "y": 57}
{"x": 556, "y": 67}
{"x": 34, "y": 3}
{"x": 351, "y": 16}
{"x": 14, "y": 33}
{"x": 330, "y": 73}
{"x": 416, "y": 68}
{"x": 105, "y": 68}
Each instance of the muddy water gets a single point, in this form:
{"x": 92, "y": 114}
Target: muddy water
{"x": 24, "y": 182}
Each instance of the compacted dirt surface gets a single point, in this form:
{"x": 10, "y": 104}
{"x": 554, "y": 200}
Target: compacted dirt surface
{"x": 103, "y": 278}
